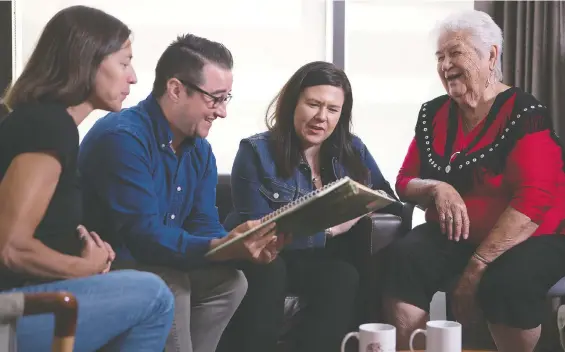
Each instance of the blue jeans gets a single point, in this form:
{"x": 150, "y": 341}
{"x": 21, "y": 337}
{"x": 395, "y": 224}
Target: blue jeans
{"x": 123, "y": 310}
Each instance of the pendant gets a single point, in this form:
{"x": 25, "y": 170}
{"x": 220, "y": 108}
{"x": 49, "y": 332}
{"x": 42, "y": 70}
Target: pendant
{"x": 447, "y": 169}
{"x": 453, "y": 156}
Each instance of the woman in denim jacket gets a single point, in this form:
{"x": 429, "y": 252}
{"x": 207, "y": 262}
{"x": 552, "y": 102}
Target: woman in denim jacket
{"x": 308, "y": 145}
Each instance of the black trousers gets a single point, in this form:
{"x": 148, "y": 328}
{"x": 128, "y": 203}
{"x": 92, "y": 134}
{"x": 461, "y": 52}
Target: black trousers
{"x": 328, "y": 285}
{"x": 512, "y": 291}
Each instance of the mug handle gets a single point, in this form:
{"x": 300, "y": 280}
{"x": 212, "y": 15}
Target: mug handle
{"x": 416, "y": 332}
{"x": 347, "y": 337}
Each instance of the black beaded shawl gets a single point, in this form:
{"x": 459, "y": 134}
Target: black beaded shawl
{"x": 461, "y": 170}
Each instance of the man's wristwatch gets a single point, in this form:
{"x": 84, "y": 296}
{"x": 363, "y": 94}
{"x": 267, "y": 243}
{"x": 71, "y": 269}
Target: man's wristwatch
{"x": 329, "y": 232}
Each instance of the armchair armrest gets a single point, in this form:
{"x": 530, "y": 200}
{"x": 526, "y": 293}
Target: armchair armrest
{"x": 62, "y": 304}
{"x": 371, "y": 235}
{"x": 11, "y": 307}
{"x": 378, "y": 230}
{"x": 65, "y": 308}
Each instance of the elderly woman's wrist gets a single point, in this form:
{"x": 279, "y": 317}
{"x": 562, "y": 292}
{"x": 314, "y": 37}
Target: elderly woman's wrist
{"x": 480, "y": 259}
{"x": 435, "y": 187}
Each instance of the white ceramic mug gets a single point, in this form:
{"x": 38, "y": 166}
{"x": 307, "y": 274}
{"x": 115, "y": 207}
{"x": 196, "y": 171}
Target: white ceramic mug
{"x": 373, "y": 338}
{"x": 441, "y": 336}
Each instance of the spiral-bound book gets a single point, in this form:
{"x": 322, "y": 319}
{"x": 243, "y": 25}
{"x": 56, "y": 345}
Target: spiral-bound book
{"x": 331, "y": 205}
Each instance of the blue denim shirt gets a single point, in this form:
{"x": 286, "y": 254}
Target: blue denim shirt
{"x": 151, "y": 204}
{"x": 258, "y": 191}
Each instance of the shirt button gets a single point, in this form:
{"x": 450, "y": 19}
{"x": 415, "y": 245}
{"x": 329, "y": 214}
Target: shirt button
{"x": 163, "y": 146}
{"x": 179, "y": 189}
{"x": 173, "y": 216}
{"x": 276, "y": 195}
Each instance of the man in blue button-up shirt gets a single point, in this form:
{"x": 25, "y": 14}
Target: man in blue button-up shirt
{"x": 149, "y": 182}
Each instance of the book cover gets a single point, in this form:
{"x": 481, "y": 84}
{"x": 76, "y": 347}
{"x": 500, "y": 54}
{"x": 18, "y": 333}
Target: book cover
{"x": 331, "y": 205}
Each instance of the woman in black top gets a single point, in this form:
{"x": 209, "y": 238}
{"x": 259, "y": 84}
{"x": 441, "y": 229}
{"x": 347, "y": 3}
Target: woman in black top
{"x": 82, "y": 62}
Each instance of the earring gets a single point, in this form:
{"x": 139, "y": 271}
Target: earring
{"x": 488, "y": 82}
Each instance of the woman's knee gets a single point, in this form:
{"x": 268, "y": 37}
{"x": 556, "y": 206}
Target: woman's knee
{"x": 412, "y": 248}
{"x": 500, "y": 284}
{"x": 149, "y": 288}
{"x": 493, "y": 289}
{"x": 508, "y": 299}
{"x": 400, "y": 250}
{"x": 405, "y": 261}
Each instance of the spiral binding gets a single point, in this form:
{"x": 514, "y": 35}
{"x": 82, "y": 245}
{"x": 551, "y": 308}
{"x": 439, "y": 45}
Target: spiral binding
{"x": 300, "y": 200}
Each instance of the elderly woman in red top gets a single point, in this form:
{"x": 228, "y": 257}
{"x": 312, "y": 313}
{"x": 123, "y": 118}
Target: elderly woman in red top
{"x": 488, "y": 168}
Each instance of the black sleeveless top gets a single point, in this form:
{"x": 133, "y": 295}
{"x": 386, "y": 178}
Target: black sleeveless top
{"x": 46, "y": 127}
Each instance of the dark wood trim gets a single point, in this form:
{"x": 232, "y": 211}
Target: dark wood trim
{"x": 339, "y": 33}
{"x": 62, "y": 304}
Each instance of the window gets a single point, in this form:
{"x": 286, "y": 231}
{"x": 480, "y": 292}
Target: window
{"x": 269, "y": 40}
{"x": 389, "y": 58}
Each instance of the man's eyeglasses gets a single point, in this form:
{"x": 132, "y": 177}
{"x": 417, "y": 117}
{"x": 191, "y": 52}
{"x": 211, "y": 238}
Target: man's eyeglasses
{"x": 215, "y": 99}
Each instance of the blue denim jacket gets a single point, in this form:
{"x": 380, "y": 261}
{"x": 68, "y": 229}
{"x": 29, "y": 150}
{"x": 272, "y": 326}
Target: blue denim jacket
{"x": 151, "y": 204}
{"x": 257, "y": 190}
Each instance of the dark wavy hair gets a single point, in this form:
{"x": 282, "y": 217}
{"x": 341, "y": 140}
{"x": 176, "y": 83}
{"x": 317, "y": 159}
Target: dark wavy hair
{"x": 62, "y": 68}
{"x": 280, "y": 122}
{"x": 185, "y": 58}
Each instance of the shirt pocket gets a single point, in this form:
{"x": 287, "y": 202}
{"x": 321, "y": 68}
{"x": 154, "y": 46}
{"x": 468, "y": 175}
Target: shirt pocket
{"x": 276, "y": 193}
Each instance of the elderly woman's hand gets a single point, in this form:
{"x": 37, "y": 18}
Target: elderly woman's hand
{"x": 463, "y": 303}
{"x": 453, "y": 217}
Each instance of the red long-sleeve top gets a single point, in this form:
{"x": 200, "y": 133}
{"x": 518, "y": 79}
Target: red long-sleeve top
{"x": 531, "y": 180}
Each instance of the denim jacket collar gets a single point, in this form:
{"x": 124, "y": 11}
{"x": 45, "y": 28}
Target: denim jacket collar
{"x": 337, "y": 169}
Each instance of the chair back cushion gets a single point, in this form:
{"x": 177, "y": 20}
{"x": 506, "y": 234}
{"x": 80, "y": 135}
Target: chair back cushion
{"x": 223, "y": 196}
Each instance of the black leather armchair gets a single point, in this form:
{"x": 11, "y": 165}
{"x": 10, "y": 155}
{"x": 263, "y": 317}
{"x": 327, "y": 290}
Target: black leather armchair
{"x": 364, "y": 247}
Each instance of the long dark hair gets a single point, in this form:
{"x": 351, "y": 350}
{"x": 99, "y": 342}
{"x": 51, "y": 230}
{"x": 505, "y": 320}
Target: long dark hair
{"x": 62, "y": 67}
{"x": 280, "y": 121}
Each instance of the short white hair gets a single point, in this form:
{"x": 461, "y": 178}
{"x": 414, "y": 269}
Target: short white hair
{"x": 483, "y": 31}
